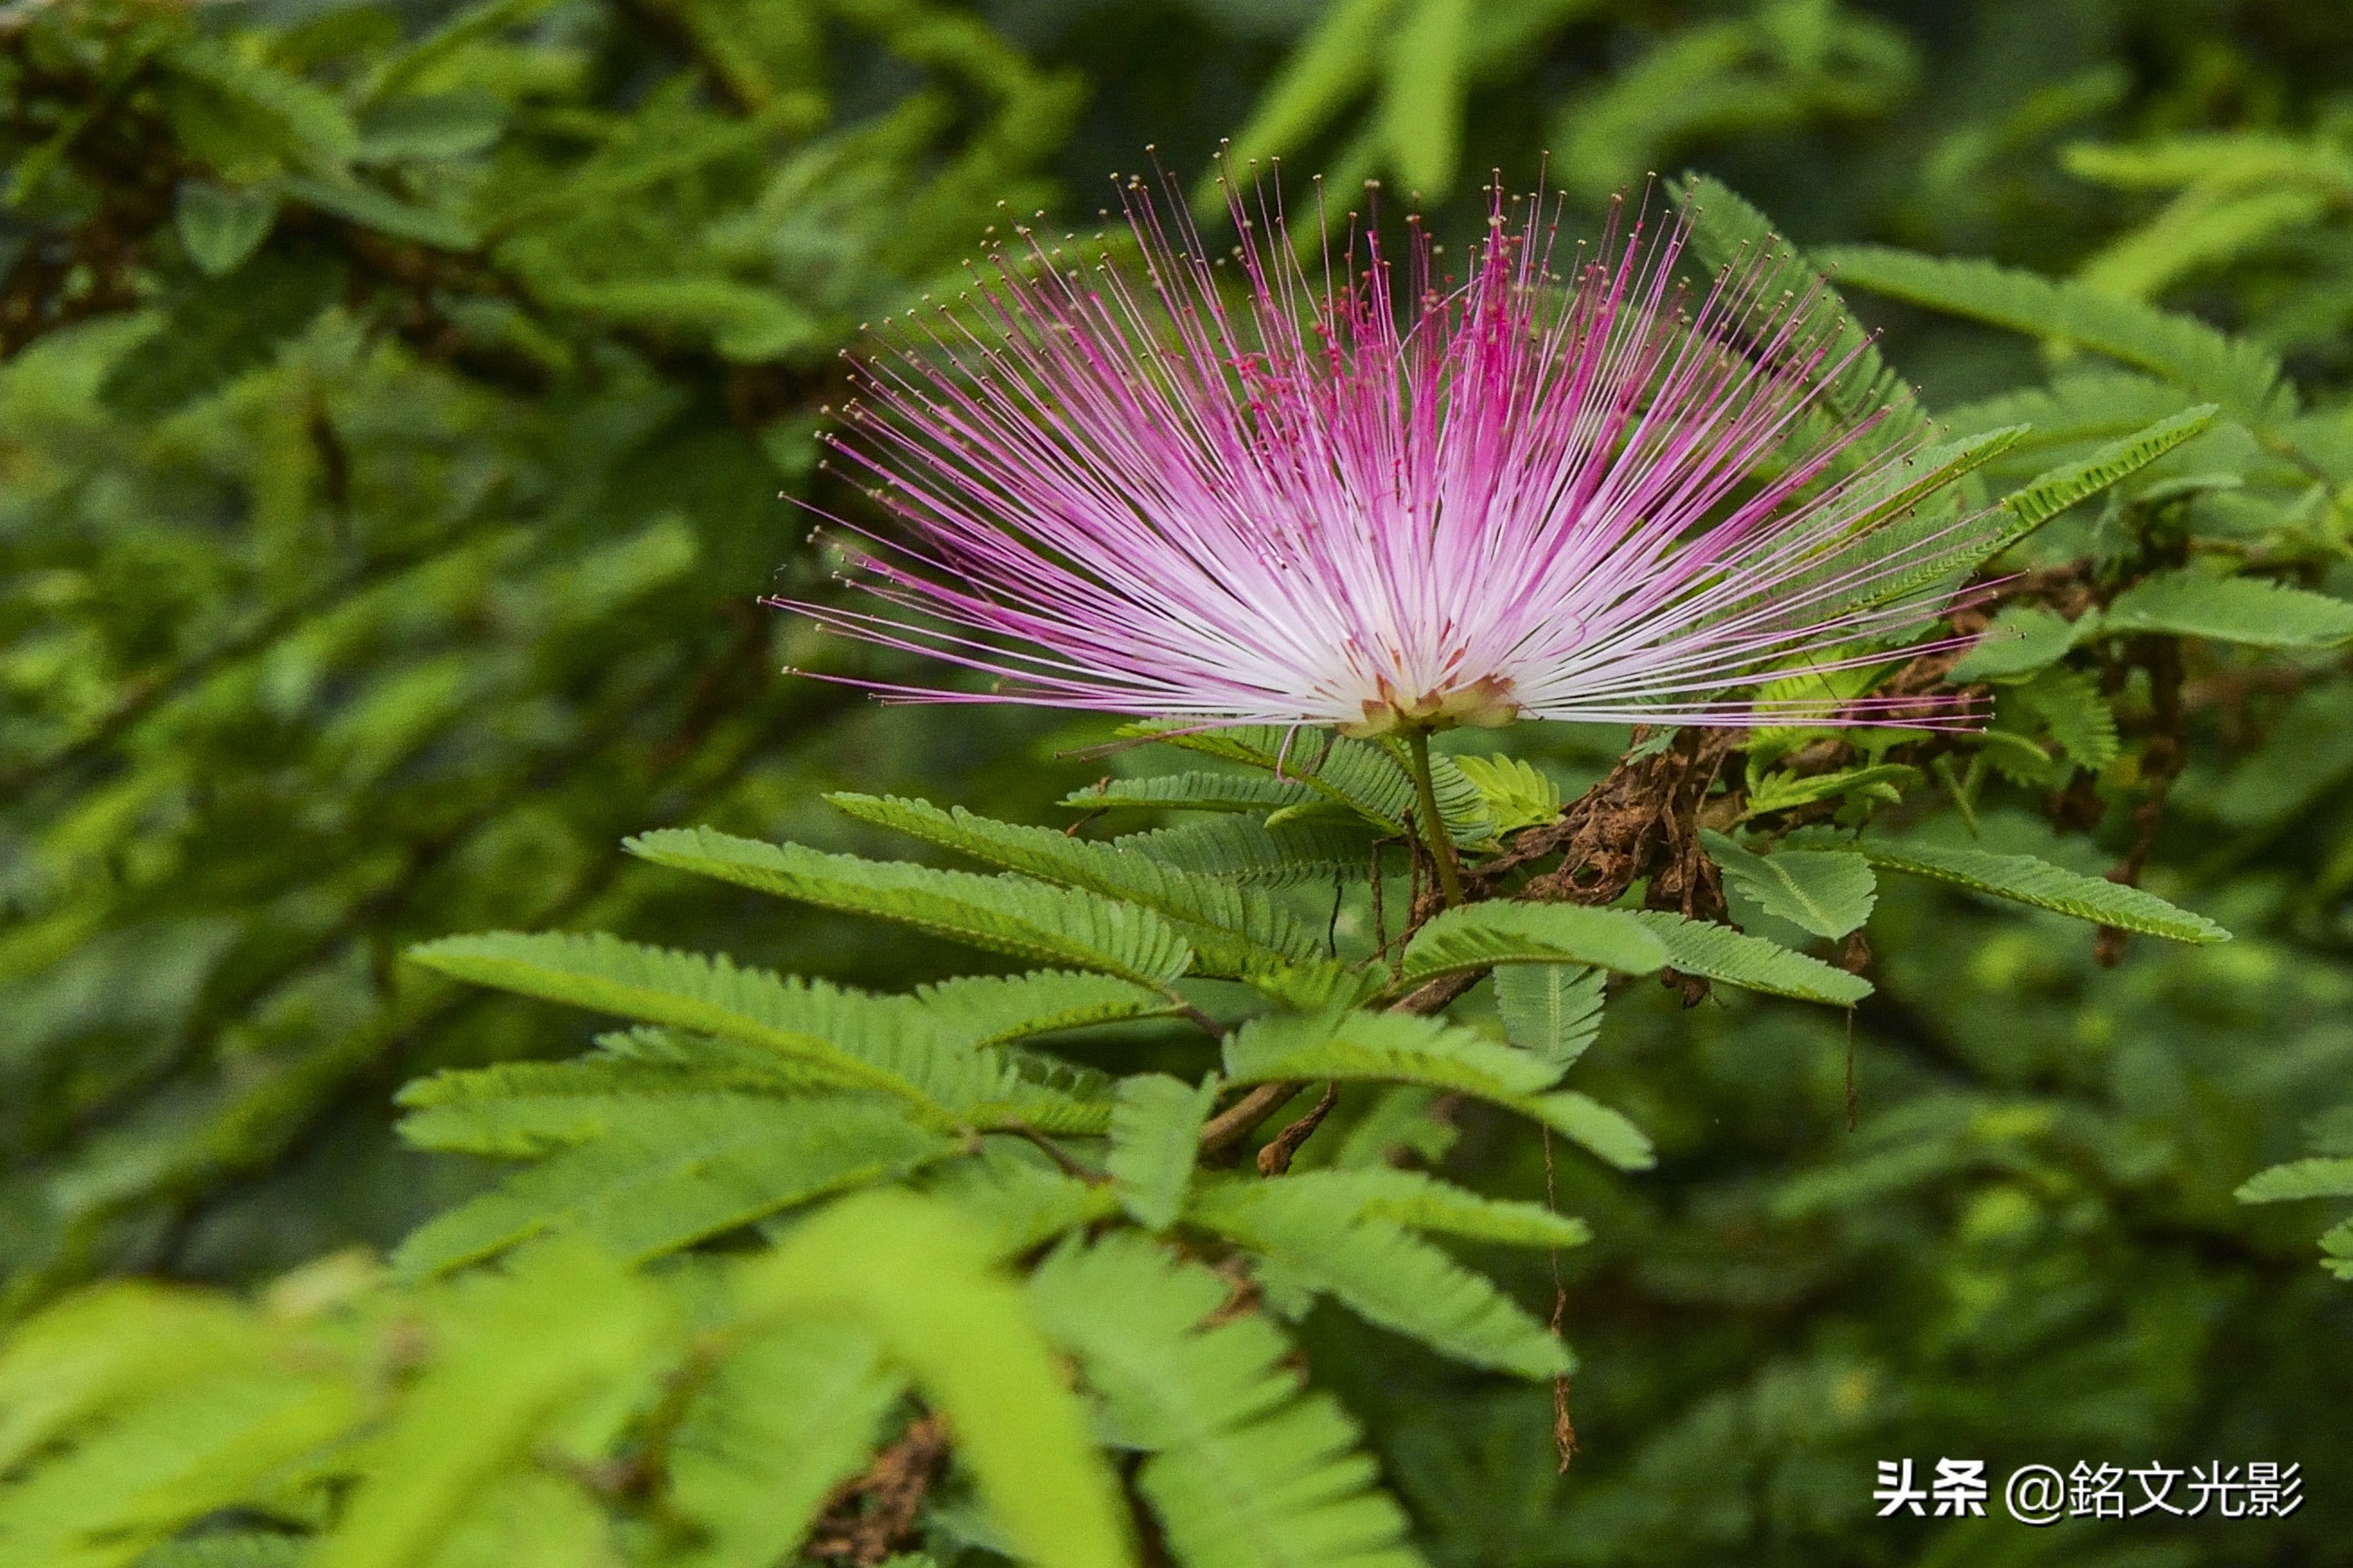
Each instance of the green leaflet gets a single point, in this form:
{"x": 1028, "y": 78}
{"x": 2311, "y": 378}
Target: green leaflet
{"x": 1192, "y": 791}
{"x": 848, "y": 1038}
{"x": 1890, "y": 527}
{"x": 1379, "y": 1270}
{"x": 1360, "y": 777}
{"x": 2037, "y": 502}
{"x": 914, "y": 1271}
{"x": 221, "y": 330}
{"x": 2242, "y": 377}
{"x": 976, "y": 1010}
{"x": 2244, "y": 610}
{"x": 1398, "y": 1047}
{"x": 1553, "y": 1010}
{"x": 1156, "y": 1131}
{"x": 789, "y": 1414}
{"x": 1245, "y": 1467}
{"x": 1232, "y": 929}
{"x": 1781, "y": 790}
{"x": 2068, "y": 704}
{"x": 2024, "y": 880}
{"x": 1243, "y": 850}
{"x": 220, "y": 226}
{"x": 1007, "y": 914}
{"x": 1516, "y": 795}
{"x": 675, "y": 1169}
{"x": 1322, "y": 76}
{"x": 1422, "y": 102}
{"x": 226, "y": 1549}
{"x": 1476, "y": 936}
{"x": 1013, "y": 1200}
{"x": 2050, "y": 494}
{"x": 1826, "y": 892}
{"x": 129, "y": 1412}
{"x": 526, "y": 1347}
{"x": 1719, "y": 953}
{"x": 2022, "y": 639}
{"x": 2314, "y": 1178}
{"x": 302, "y": 120}
{"x": 1422, "y": 1201}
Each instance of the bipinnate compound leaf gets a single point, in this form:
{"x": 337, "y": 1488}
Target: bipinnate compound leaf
{"x": 675, "y": 1169}
{"x": 1379, "y": 1269}
{"x": 1551, "y": 1010}
{"x": 2329, "y": 1177}
{"x": 1019, "y": 915}
{"x": 1718, "y": 953}
{"x": 2244, "y": 610}
{"x": 2244, "y": 377}
{"x": 846, "y": 1038}
{"x": 518, "y": 1353}
{"x": 1398, "y": 1047}
{"x": 914, "y": 1272}
{"x": 1232, "y": 929}
{"x": 791, "y": 1412}
{"x": 1156, "y": 1131}
{"x": 1477, "y": 936}
{"x": 1244, "y": 1466}
{"x": 1828, "y": 892}
{"x": 2022, "y": 878}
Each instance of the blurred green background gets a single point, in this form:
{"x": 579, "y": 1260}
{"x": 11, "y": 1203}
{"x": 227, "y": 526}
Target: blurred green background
{"x": 397, "y": 403}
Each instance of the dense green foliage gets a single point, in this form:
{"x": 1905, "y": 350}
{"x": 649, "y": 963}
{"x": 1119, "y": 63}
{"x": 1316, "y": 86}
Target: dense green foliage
{"x": 395, "y": 405}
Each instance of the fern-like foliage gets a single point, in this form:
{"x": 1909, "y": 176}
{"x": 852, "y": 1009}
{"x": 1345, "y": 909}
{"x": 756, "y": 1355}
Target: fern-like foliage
{"x": 1479, "y": 935}
{"x": 1320, "y": 1234}
{"x": 1400, "y": 1048}
{"x": 1008, "y": 915}
{"x": 1244, "y": 1468}
{"x": 1256, "y": 855}
{"x": 665, "y": 1172}
{"x": 2022, "y": 878}
{"x": 1232, "y": 929}
{"x": 1156, "y": 1131}
{"x": 1718, "y": 953}
{"x": 2244, "y": 378}
{"x": 846, "y": 1038}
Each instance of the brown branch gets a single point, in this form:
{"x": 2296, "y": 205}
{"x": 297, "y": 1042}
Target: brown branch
{"x": 874, "y": 1514}
{"x": 1224, "y": 1132}
{"x": 1274, "y": 1159}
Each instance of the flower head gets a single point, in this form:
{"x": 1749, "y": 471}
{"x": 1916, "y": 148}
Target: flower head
{"x": 1236, "y": 490}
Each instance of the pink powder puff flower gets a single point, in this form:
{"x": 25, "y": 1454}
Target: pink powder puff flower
{"x": 1252, "y": 495}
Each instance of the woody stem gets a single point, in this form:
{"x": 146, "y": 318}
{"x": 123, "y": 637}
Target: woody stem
{"x": 1433, "y": 825}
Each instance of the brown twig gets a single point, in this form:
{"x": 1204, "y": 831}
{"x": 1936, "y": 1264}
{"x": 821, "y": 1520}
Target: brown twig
{"x": 872, "y": 1514}
{"x": 1274, "y": 1159}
